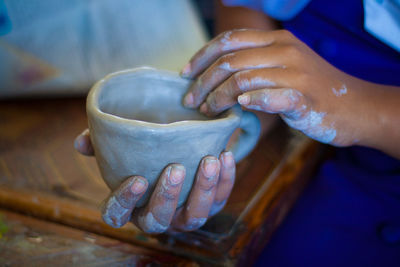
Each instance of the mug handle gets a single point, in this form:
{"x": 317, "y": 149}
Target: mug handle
{"x": 247, "y": 140}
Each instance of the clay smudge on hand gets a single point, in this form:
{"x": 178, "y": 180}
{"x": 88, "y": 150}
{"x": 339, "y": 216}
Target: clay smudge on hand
{"x": 288, "y": 103}
{"x": 113, "y": 213}
{"x": 341, "y": 91}
{"x": 227, "y": 67}
{"x": 230, "y": 43}
{"x": 158, "y": 213}
{"x": 198, "y": 206}
{"x": 272, "y": 100}
{"x": 117, "y": 209}
{"x": 311, "y": 125}
{"x": 245, "y": 84}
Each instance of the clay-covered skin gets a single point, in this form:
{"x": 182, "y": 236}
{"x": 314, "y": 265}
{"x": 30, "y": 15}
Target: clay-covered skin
{"x": 275, "y": 72}
{"x": 212, "y": 187}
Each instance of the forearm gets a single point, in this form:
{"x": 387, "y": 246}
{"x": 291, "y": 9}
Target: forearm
{"x": 228, "y": 18}
{"x": 382, "y": 118}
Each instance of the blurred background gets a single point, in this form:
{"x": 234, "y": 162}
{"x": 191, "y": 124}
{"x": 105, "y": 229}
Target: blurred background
{"x": 58, "y": 48}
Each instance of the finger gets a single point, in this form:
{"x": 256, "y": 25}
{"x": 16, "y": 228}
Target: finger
{"x": 118, "y": 208}
{"x": 195, "y": 212}
{"x": 83, "y": 144}
{"x": 225, "y": 182}
{"x": 225, "y": 95}
{"x": 228, "y": 42}
{"x": 288, "y": 102}
{"x": 225, "y": 66}
{"x": 158, "y": 213}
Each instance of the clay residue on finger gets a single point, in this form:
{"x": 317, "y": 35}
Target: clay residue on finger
{"x": 217, "y": 207}
{"x": 253, "y": 83}
{"x": 195, "y": 223}
{"x": 114, "y": 214}
{"x": 311, "y": 125}
{"x": 150, "y": 224}
{"x": 229, "y": 42}
{"x": 226, "y": 66}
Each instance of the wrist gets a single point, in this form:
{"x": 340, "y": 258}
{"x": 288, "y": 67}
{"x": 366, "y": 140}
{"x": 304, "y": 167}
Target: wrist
{"x": 378, "y": 120}
{"x": 355, "y": 113}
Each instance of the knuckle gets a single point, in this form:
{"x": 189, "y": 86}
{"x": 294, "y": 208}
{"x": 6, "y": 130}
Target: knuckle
{"x": 222, "y": 41}
{"x": 299, "y": 76}
{"x": 237, "y": 79}
{"x": 292, "y": 51}
{"x": 228, "y": 36}
{"x": 235, "y": 34}
{"x": 223, "y": 35}
{"x": 227, "y": 57}
{"x": 264, "y": 100}
{"x": 302, "y": 78}
{"x": 225, "y": 62}
{"x": 209, "y": 185}
{"x": 212, "y": 101}
{"x": 216, "y": 100}
{"x": 168, "y": 195}
{"x": 286, "y": 33}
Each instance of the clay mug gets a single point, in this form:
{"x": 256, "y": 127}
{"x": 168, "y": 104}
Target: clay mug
{"x": 138, "y": 126}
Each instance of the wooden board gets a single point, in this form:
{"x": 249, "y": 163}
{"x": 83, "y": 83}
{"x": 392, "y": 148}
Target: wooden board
{"x": 25, "y": 241}
{"x": 42, "y": 175}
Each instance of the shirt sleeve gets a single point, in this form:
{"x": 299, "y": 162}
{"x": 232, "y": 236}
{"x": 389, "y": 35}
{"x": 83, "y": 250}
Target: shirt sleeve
{"x": 277, "y": 9}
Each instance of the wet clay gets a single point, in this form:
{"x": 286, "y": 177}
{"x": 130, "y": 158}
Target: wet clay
{"x": 138, "y": 126}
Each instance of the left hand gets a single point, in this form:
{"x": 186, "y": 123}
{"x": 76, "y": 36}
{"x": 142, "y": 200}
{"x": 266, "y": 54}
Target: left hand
{"x": 211, "y": 189}
{"x": 274, "y": 72}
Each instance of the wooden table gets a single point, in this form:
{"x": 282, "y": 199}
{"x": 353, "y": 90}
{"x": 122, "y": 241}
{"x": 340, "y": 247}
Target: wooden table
{"x": 54, "y": 192}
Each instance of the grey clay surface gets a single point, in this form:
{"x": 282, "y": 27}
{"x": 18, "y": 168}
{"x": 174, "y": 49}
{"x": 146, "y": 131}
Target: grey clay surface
{"x": 138, "y": 126}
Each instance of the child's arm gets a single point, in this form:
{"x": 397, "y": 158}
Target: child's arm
{"x": 229, "y": 18}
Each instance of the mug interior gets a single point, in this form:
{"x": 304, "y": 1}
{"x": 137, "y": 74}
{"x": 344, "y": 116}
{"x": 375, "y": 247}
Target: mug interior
{"x": 147, "y": 97}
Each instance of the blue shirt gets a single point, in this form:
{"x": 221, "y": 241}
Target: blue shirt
{"x": 350, "y": 213}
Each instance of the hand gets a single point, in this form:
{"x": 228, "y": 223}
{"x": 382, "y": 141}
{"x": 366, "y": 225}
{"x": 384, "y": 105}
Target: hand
{"x": 274, "y": 72}
{"x": 212, "y": 187}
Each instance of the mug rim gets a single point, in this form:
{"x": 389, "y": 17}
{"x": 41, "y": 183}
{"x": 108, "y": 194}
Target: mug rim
{"x": 93, "y": 106}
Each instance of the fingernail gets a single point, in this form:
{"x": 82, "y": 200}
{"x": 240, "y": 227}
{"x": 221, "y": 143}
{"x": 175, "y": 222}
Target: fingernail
{"x": 210, "y": 167}
{"x": 186, "y": 70}
{"x": 204, "y": 108}
{"x": 188, "y": 100}
{"x": 177, "y": 174}
{"x": 244, "y": 99}
{"x": 227, "y": 159}
{"x": 138, "y": 186}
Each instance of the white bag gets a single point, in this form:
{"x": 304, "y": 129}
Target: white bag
{"x": 61, "y": 47}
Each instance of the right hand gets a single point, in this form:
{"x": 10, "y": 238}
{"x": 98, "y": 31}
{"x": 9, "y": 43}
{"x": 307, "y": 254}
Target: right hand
{"x": 211, "y": 189}
{"x": 275, "y": 72}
